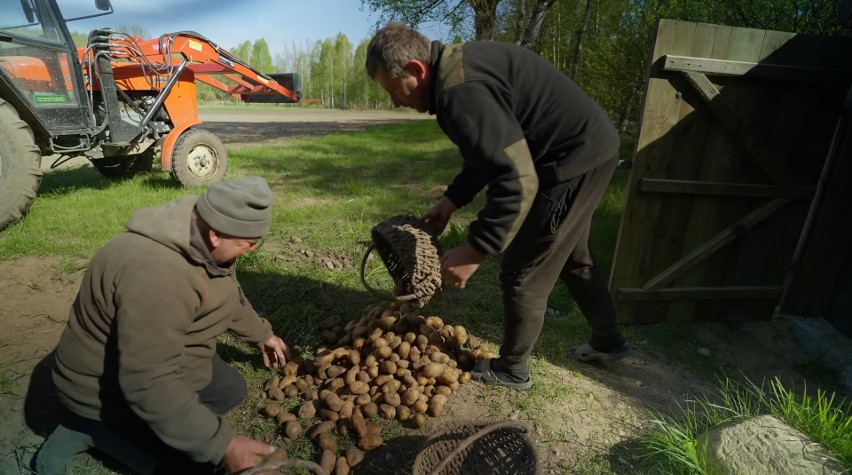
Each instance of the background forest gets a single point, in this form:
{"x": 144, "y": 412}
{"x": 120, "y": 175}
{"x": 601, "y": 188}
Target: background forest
{"x": 604, "y": 45}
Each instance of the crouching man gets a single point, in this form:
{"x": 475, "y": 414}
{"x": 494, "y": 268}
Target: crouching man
{"x": 136, "y": 368}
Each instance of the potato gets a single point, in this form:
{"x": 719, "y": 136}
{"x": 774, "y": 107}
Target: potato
{"x": 358, "y": 387}
{"x": 370, "y": 442}
{"x": 276, "y": 394}
{"x": 341, "y": 467}
{"x": 271, "y": 410}
{"x": 328, "y": 461}
{"x": 392, "y": 399}
{"x": 327, "y": 441}
{"x": 370, "y": 410}
{"x": 308, "y": 410}
{"x": 403, "y": 349}
{"x": 328, "y": 415}
{"x": 459, "y": 335}
{"x": 443, "y": 390}
{"x": 386, "y": 411}
{"x": 464, "y": 378}
{"x": 311, "y": 394}
{"x": 302, "y": 385}
{"x": 335, "y": 384}
{"x": 291, "y": 390}
{"x": 284, "y": 417}
{"x": 291, "y": 368}
{"x": 334, "y": 371}
{"x": 419, "y": 420}
{"x": 286, "y": 381}
{"x": 359, "y": 425}
{"x": 435, "y": 322}
{"x": 373, "y": 428}
{"x": 419, "y": 407}
{"x": 387, "y": 367}
{"x": 432, "y": 370}
{"x": 448, "y": 376}
{"x": 410, "y": 396}
{"x": 403, "y": 413}
{"x": 322, "y": 427}
{"x": 347, "y": 408}
{"x": 382, "y": 379}
{"x": 382, "y": 352}
{"x": 439, "y": 357}
{"x": 292, "y": 430}
{"x": 363, "y": 399}
{"x": 391, "y": 386}
{"x": 354, "y": 457}
{"x": 410, "y": 338}
{"x": 436, "y": 406}
{"x": 333, "y": 402}
{"x": 271, "y": 382}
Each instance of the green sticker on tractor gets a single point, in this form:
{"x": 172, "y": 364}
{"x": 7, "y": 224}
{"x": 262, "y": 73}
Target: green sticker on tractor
{"x": 47, "y": 98}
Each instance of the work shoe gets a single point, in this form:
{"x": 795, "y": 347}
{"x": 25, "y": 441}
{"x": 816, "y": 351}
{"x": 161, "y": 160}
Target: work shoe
{"x": 587, "y": 354}
{"x": 482, "y": 371}
{"x": 59, "y": 449}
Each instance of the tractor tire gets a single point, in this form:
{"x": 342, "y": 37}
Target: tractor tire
{"x": 199, "y": 158}
{"x": 20, "y": 166}
{"x": 127, "y": 166}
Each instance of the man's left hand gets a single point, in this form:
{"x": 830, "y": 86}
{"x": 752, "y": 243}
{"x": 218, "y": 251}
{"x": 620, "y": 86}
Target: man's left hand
{"x": 274, "y": 351}
{"x": 459, "y": 264}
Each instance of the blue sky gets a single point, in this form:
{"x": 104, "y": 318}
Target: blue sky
{"x": 230, "y": 22}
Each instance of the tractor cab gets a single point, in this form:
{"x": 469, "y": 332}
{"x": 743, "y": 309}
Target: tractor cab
{"x": 40, "y": 73}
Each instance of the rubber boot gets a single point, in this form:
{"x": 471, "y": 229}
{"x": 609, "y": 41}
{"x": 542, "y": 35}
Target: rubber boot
{"x": 59, "y": 449}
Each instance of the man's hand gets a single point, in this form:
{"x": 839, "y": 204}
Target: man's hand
{"x": 274, "y": 351}
{"x": 243, "y": 453}
{"x": 439, "y": 216}
{"x": 459, "y": 264}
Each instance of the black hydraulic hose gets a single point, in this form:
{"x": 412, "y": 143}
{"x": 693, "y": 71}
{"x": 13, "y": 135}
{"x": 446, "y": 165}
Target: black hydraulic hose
{"x": 162, "y": 96}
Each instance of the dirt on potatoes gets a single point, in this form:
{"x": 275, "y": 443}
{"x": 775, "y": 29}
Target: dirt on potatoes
{"x": 585, "y": 427}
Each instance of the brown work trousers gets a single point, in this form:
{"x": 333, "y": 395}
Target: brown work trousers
{"x": 553, "y": 243}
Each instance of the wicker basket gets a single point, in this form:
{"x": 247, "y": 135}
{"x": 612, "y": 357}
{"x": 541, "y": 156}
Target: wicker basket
{"x": 411, "y": 256}
{"x": 486, "y": 447}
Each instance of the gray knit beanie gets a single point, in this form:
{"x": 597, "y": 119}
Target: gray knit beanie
{"x": 238, "y": 208}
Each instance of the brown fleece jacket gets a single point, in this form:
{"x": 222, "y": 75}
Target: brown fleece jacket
{"x": 142, "y": 332}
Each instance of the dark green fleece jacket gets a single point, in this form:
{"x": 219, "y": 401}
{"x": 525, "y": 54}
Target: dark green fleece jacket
{"x": 142, "y": 332}
{"x": 520, "y": 124}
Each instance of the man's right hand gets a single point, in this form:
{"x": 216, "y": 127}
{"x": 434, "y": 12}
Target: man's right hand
{"x": 439, "y": 216}
{"x": 243, "y": 453}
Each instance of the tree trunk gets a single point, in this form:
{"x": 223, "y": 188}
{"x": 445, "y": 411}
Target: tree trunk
{"x": 519, "y": 20}
{"x": 536, "y": 22}
{"x": 627, "y": 109}
{"x": 581, "y": 33}
{"x": 485, "y": 18}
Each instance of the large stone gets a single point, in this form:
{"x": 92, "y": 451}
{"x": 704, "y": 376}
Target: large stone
{"x": 764, "y": 445}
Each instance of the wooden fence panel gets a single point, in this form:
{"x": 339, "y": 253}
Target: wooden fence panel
{"x": 732, "y": 138}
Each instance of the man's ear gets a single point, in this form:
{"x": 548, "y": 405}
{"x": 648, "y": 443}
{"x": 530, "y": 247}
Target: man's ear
{"x": 214, "y": 238}
{"x": 418, "y": 69}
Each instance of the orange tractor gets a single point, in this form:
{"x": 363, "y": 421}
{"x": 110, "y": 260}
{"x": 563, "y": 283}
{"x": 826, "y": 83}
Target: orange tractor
{"x": 120, "y": 101}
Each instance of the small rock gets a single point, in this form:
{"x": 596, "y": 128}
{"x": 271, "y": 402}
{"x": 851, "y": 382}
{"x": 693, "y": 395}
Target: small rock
{"x": 329, "y": 264}
{"x": 704, "y": 352}
{"x": 295, "y": 239}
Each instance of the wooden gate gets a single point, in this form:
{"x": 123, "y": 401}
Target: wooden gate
{"x": 736, "y": 124}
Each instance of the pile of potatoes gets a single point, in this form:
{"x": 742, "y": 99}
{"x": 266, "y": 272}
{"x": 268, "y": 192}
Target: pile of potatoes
{"x": 391, "y": 363}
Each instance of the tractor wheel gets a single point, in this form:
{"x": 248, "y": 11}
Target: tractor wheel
{"x": 20, "y": 166}
{"x": 127, "y": 166}
{"x": 199, "y": 158}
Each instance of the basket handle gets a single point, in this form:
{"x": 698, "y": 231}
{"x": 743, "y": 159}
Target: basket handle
{"x": 471, "y": 439}
{"x": 381, "y": 295}
{"x": 289, "y": 463}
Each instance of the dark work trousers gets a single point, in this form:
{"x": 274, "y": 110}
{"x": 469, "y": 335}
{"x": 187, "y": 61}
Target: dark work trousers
{"x": 135, "y": 444}
{"x": 553, "y": 243}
